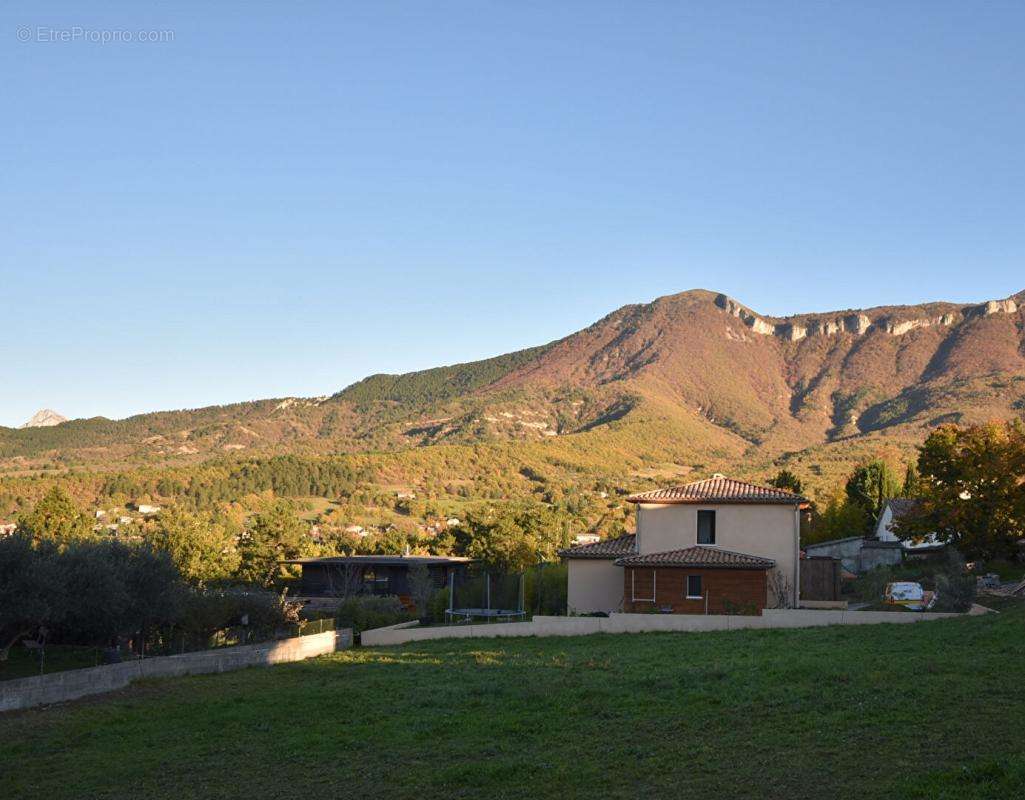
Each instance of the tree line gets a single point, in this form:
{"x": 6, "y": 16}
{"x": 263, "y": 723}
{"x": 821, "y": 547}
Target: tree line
{"x": 967, "y": 484}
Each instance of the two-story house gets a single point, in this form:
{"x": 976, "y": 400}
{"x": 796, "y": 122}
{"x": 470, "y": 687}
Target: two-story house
{"x": 711, "y": 547}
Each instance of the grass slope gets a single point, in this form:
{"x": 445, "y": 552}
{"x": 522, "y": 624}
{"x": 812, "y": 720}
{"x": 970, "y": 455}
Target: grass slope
{"x": 927, "y": 711}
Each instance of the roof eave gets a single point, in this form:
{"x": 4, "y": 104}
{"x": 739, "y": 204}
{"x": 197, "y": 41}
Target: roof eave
{"x": 621, "y": 562}
{"x": 641, "y": 500}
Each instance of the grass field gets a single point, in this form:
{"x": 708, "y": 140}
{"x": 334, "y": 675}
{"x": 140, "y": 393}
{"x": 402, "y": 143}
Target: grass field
{"x": 924, "y": 711}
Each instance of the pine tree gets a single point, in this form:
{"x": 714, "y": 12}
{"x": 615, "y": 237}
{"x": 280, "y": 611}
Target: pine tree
{"x": 275, "y": 534}
{"x": 787, "y": 481}
{"x": 870, "y": 486}
{"x": 56, "y": 518}
{"x": 910, "y": 487}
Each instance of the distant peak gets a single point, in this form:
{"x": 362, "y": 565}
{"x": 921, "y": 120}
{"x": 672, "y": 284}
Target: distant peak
{"x": 44, "y": 418}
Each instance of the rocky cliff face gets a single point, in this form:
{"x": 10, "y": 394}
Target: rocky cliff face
{"x": 895, "y": 322}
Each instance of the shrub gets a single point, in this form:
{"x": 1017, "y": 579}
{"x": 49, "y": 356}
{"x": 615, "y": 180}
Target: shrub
{"x": 438, "y": 605}
{"x": 955, "y": 586}
{"x": 554, "y": 589}
{"x": 739, "y": 609}
{"x": 871, "y": 585}
{"x": 954, "y": 592}
{"x": 365, "y": 612}
{"x": 263, "y": 613}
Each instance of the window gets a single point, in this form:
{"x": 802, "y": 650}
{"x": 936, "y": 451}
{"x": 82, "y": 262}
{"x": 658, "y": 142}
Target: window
{"x": 706, "y": 527}
{"x": 694, "y": 587}
{"x": 639, "y": 586}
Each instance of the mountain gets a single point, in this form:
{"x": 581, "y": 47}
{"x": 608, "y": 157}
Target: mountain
{"x": 688, "y": 380}
{"x": 44, "y": 418}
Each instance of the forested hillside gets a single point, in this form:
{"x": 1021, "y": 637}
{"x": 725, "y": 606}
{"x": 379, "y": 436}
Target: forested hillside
{"x": 651, "y": 393}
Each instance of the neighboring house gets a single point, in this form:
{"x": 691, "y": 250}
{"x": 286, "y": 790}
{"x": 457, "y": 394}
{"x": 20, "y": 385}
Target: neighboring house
{"x": 706, "y": 547}
{"x": 914, "y": 548}
{"x": 145, "y": 509}
{"x": 7, "y": 528}
{"x": 884, "y": 549}
{"x": 343, "y": 575}
{"x": 586, "y": 538}
{"x": 858, "y": 554}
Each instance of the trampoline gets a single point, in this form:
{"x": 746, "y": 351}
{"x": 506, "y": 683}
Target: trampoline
{"x": 495, "y": 598}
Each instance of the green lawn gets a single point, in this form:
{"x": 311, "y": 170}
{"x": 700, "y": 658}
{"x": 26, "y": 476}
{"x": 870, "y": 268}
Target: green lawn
{"x": 932, "y": 710}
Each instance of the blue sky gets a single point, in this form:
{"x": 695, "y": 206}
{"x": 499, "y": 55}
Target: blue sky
{"x": 285, "y": 198}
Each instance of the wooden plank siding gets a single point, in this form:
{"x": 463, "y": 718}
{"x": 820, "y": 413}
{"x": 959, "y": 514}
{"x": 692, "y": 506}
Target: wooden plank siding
{"x": 724, "y": 590}
{"x": 820, "y": 578}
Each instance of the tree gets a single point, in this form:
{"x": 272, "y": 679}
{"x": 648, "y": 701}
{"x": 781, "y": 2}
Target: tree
{"x": 787, "y": 481}
{"x": 502, "y": 545}
{"x": 56, "y": 518}
{"x": 869, "y": 487}
{"x": 421, "y": 589}
{"x": 201, "y": 545}
{"x": 276, "y": 534}
{"x": 838, "y": 520}
{"x": 116, "y": 589}
{"x": 511, "y": 539}
{"x": 910, "y": 487}
{"x": 153, "y": 585}
{"x": 971, "y": 490}
{"x": 31, "y": 592}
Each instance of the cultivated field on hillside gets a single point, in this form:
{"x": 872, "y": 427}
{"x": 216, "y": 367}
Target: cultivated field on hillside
{"x": 922, "y": 711}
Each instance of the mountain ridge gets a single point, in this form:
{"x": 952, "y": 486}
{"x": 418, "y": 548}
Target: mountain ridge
{"x": 729, "y": 379}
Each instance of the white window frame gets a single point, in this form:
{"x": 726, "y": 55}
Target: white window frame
{"x": 687, "y": 595}
{"x": 633, "y": 587}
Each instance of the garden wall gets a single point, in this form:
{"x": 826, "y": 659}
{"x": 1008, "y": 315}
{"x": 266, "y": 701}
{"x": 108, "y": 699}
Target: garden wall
{"x": 641, "y": 623}
{"x": 71, "y": 684}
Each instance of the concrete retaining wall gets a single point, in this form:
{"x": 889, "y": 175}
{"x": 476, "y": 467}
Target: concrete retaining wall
{"x": 409, "y": 632}
{"x": 643, "y": 623}
{"x": 71, "y": 684}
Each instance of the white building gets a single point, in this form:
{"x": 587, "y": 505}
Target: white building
{"x": 892, "y": 512}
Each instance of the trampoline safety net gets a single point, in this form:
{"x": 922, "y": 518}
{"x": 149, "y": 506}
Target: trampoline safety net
{"x": 487, "y": 595}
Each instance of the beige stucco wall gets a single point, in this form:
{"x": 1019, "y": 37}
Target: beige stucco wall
{"x": 594, "y": 585}
{"x": 770, "y": 531}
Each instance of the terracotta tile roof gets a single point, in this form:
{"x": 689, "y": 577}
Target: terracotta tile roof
{"x": 719, "y": 489}
{"x": 609, "y": 548}
{"x": 710, "y": 557}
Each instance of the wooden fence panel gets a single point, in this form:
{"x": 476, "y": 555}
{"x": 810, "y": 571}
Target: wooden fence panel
{"x": 820, "y": 579}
